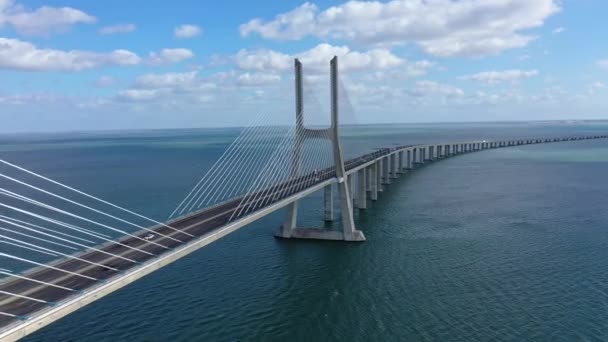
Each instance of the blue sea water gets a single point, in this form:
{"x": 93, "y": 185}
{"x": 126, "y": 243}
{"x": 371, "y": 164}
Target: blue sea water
{"x": 502, "y": 245}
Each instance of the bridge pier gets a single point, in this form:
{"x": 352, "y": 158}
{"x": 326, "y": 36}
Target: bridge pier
{"x": 408, "y": 163}
{"x": 386, "y": 170}
{"x": 362, "y": 195}
{"x": 328, "y": 203}
{"x": 373, "y": 193}
{"x": 394, "y": 166}
{"x": 379, "y": 175}
{"x": 352, "y": 185}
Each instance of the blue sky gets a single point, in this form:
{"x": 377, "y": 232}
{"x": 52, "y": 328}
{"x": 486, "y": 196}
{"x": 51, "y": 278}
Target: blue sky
{"x": 96, "y": 65}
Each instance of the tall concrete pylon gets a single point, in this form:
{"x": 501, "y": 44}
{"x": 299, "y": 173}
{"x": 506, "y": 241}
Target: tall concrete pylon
{"x": 289, "y": 228}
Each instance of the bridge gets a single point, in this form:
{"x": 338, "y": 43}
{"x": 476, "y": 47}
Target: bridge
{"x": 71, "y": 257}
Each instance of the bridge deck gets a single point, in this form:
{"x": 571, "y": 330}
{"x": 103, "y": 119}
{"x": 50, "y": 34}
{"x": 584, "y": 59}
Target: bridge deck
{"x": 197, "y": 225}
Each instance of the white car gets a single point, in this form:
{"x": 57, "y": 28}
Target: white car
{"x": 149, "y": 236}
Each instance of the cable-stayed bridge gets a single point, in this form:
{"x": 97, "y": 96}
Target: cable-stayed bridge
{"x": 62, "y": 248}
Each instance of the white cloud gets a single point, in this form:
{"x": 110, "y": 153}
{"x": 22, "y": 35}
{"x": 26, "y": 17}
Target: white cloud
{"x": 431, "y": 88}
{"x": 406, "y": 70}
{"x": 42, "y": 21}
{"x": 439, "y": 27}
{"x": 169, "y": 56}
{"x": 262, "y": 60}
{"x": 172, "y": 79}
{"x": 119, "y": 28}
{"x": 20, "y": 55}
{"x": 173, "y": 86}
{"x": 317, "y": 59}
{"x": 187, "y": 31}
{"x": 493, "y": 77}
{"x": 558, "y": 30}
{"x": 594, "y": 87}
{"x": 602, "y": 63}
{"x": 257, "y": 79}
{"x": 28, "y": 99}
{"x": 138, "y": 94}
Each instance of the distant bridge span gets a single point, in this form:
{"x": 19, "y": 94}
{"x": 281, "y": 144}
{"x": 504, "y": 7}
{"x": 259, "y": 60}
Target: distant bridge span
{"x": 42, "y": 295}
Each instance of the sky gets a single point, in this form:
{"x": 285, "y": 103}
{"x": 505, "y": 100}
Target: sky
{"x": 68, "y": 65}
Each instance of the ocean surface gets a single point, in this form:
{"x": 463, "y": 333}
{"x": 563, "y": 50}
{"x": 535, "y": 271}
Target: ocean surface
{"x": 502, "y": 245}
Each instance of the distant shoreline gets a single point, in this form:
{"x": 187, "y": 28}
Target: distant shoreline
{"x": 88, "y": 132}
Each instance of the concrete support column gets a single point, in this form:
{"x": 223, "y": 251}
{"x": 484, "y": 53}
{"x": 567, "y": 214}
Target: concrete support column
{"x": 362, "y": 196}
{"x": 415, "y": 153}
{"x": 386, "y": 168}
{"x": 328, "y": 203}
{"x": 408, "y": 163}
{"x": 394, "y": 166}
{"x": 373, "y": 192}
{"x": 401, "y": 161}
{"x": 379, "y": 175}
{"x": 351, "y": 181}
